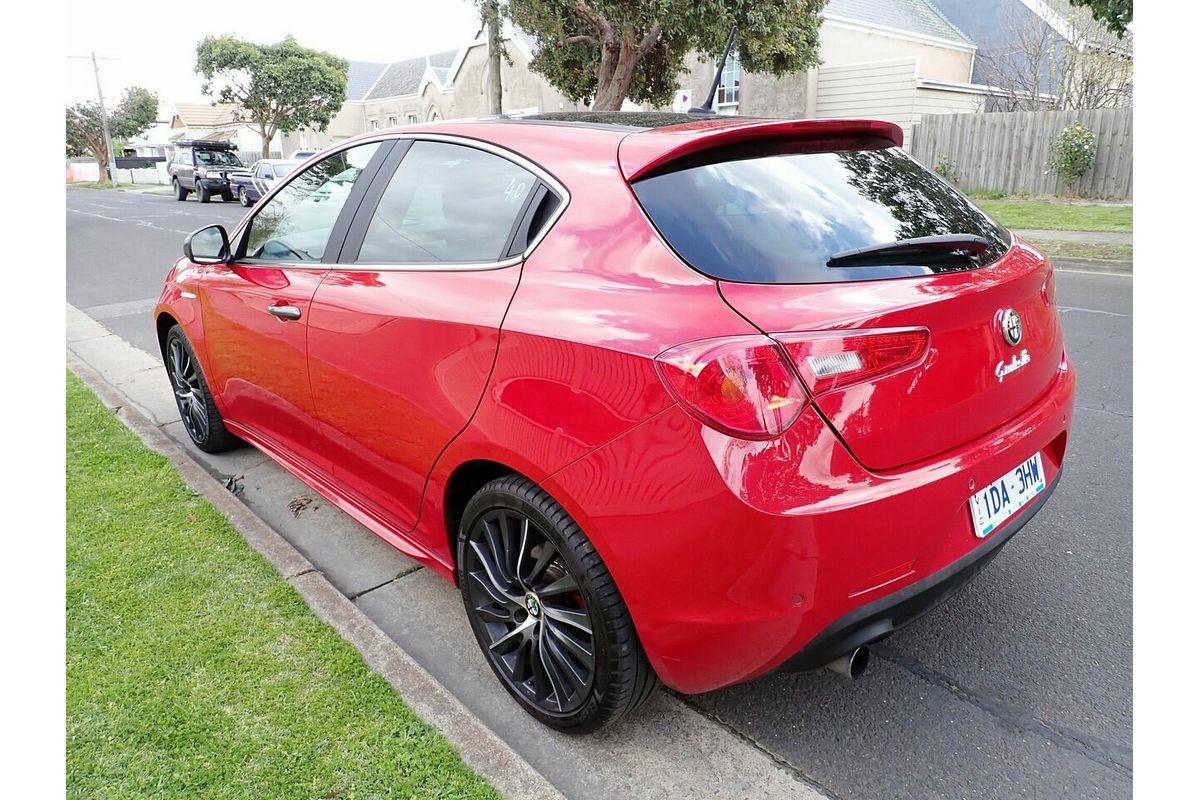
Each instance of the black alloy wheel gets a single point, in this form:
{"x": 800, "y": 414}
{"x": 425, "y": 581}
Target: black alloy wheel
{"x": 199, "y": 414}
{"x": 545, "y": 611}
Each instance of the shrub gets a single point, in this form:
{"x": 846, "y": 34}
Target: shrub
{"x": 947, "y": 169}
{"x": 1072, "y": 153}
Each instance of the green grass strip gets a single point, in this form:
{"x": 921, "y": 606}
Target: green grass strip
{"x": 1057, "y": 216}
{"x": 194, "y": 670}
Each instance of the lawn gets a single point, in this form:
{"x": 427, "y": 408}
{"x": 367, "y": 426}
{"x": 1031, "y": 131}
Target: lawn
{"x": 92, "y": 184}
{"x": 194, "y": 670}
{"x": 1102, "y": 250}
{"x": 1056, "y": 215}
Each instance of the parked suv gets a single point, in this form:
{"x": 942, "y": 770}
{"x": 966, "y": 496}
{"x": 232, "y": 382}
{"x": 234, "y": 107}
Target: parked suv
{"x": 204, "y": 168}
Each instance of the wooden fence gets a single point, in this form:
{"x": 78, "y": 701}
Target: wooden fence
{"x": 1008, "y": 151}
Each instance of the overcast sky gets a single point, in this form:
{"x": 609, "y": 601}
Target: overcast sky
{"x": 155, "y": 46}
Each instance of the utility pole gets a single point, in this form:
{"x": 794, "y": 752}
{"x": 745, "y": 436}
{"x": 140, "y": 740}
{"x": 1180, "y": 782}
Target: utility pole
{"x": 112, "y": 159}
{"x": 491, "y": 18}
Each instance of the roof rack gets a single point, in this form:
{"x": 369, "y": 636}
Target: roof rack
{"x": 204, "y": 144}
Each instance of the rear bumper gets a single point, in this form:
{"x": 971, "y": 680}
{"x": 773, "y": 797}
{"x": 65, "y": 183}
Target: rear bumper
{"x": 736, "y": 558}
{"x": 878, "y": 619}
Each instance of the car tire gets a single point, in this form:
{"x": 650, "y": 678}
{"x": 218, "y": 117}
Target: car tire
{"x": 200, "y": 416}
{"x": 202, "y": 193}
{"x": 528, "y": 575}
{"x": 180, "y": 192}
{"x": 227, "y": 196}
{"x": 242, "y": 197}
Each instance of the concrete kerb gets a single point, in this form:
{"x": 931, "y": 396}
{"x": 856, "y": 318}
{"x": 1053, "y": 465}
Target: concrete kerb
{"x": 479, "y": 746}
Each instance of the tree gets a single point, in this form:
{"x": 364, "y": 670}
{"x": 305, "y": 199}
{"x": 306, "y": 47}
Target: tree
{"x": 1078, "y": 65}
{"x": 136, "y": 112}
{"x": 277, "y": 87}
{"x": 610, "y": 50}
{"x": 1116, "y": 15}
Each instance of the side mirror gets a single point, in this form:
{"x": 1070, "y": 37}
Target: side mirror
{"x": 207, "y": 246}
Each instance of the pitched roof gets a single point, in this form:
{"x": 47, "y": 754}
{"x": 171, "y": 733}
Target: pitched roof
{"x": 361, "y": 77}
{"x": 206, "y": 115}
{"x": 997, "y": 27}
{"x": 404, "y": 77}
{"x": 915, "y": 16}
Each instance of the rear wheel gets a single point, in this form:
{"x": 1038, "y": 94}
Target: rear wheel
{"x": 180, "y": 192}
{"x": 201, "y": 418}
{"x": 242, "y": 197}
{"x": 545, "y": 610}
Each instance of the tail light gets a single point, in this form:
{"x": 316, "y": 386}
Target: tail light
{"x": 831, "y": 360}
{"x": 740, "y": 385}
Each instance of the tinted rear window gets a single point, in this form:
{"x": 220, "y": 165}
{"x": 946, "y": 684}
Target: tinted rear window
{"x": 778, "y": 217}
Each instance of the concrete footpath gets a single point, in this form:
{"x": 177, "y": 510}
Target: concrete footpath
{"x": 410, "y": 627}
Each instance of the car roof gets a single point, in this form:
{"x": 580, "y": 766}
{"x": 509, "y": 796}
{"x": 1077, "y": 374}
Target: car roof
{"x": 639, "y": 142}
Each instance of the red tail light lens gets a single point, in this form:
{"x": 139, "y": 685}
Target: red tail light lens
{"x": 741, "y": 385}
{"x": 828, "y": 361}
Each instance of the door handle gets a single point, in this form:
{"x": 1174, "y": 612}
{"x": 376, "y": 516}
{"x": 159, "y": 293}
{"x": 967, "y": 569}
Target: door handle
{"x": 284, "y": 312}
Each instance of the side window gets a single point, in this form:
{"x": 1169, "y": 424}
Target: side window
{"x": 264, "y": 171}
{"x": 447, "y": 203}
{"x": 296, "y": 224}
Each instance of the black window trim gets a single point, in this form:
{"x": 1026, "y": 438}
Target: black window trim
{"x": 352, "y": 243}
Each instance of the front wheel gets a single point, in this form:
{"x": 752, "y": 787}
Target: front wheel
{"x": 201, "y": 418}
{"x": 202, "y": 193}
{"x": 546, "y": 612}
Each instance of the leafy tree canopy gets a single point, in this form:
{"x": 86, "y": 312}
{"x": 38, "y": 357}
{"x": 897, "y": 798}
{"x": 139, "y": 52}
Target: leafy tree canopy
{"x": 279, "y": 87}
{"x": 616, "y": 49}
{"x": 135, "y": 113}
{"x": 1115, "y": 14}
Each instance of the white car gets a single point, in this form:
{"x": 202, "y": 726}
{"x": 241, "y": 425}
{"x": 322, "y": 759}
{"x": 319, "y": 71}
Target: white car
{"x": 300, "y": 155}
{"x": 250, "y": 186}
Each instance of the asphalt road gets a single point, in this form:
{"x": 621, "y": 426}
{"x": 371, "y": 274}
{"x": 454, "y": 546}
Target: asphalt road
{"x": 1020, "y": 686}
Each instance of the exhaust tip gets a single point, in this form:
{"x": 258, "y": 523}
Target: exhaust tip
{"x": 852, "y": 665}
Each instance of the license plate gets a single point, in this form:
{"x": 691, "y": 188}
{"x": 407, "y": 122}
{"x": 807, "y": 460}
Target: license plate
{"x": 1007, "y": 495}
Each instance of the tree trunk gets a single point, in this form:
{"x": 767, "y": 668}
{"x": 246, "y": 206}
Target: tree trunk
{"x": 266, "y": 143}
{"x": 618, "y": 60}
{"x": 491, "y": 18}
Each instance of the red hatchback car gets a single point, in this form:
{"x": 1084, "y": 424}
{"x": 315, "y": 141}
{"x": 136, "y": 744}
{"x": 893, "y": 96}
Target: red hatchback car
{"x": 691, "y": 402}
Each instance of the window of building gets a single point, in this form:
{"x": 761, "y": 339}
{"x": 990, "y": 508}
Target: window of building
{"x": 412, "y": 119}
{"x": 374, "y": 124}
{"x": 393, "y": 122}
{"x": 729, "y": 89}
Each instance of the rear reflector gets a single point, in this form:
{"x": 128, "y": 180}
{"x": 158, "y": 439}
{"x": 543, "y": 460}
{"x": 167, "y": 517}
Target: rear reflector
{"x": 832, "y": 360}
{"x": 739, "y": 385}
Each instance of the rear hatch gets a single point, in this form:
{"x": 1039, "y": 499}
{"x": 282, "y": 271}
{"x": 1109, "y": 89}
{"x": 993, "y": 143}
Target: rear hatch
{"x": 766, "y": 219}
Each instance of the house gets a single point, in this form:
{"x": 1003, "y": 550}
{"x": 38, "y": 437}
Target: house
{"x": 523, "y": 91}
{"x": 1025, "y": 48}
{"x": 218, "y": 122}
{"x": 887, "y": 59}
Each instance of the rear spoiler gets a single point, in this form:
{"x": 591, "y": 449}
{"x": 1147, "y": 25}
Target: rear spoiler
{"x": 641, "y": 153}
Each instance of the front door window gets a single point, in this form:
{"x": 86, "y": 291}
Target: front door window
{"x": 295, "y": 225}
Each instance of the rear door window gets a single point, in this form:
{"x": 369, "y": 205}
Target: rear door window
{"x": 742, "y": 214}
{"x": 447, "y": 204}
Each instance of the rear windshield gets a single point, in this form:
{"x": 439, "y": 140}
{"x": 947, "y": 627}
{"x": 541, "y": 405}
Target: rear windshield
{"x": 778, "y": 217}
